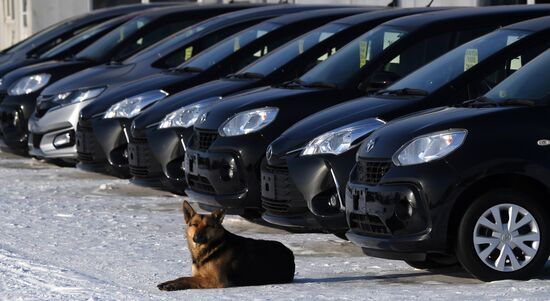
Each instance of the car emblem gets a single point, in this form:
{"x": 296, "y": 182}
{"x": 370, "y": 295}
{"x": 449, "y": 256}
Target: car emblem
{"x": 269, "y": 153}
{"x": 202, "y": 118}
{"x": 370, "y": 145}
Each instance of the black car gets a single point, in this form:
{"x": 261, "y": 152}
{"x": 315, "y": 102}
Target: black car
{"x": 470, "y": 181}
{"x": 46, "y": 39}
{"x": 21, "y": 87}
{"x": 319, "y": 151}
{"x": 163, "y": 143}
{"x": 104, "y": 126}
{"x": 229, "y": 144}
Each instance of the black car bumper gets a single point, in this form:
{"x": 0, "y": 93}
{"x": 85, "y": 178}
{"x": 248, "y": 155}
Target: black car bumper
{"x": 15, "y": 112}
{"x": 399, "y": 212}
{"x": 144, "y": 169}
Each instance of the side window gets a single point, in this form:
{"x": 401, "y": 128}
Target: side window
{"x": 185, "y": 53}
{"x": 482, "y": 84}
{"x": 418, "y": 55}
{"x": 152, "y": 37}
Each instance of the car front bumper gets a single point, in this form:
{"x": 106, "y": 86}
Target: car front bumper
{"x": 15, "y": 112}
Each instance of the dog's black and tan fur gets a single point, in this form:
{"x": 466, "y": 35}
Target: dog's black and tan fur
{"x": 223, "y": 259}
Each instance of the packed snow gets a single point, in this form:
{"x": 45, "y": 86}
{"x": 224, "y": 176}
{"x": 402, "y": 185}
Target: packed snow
{"x": 71, "y": 235}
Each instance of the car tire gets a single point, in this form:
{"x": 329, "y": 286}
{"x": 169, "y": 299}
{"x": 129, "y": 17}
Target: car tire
{"x": 434, "y": 262}
{"x": 495, "y": 254}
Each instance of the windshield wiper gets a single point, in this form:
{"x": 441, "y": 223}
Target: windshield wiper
{"x": 486, "y": 102}
{"x": 516, "y": 102}
{"x": 188, "y": 69}
{"x": 319, "y": 85}
{"x": 251, "y": 75}
{"x": 404, "y": 92}
{"x": 83, "y": 59}
{"x": 295, "y": 83}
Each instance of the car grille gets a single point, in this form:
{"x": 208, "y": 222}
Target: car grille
{"x": 367, "y": 224}
{"x": 85, "y": 144}
{"x": 371, "y": 172}
{"x": 200, "y": 184}
{"x": 203, "y": 139}
{"x": 138, "y": 157}
{"x": 283, "y": 191}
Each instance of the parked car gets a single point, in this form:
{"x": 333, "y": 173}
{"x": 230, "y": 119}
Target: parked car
{"x": 170, "y": 122}
{"x": 224, "y": 155}
{"x": 318, "y": 153}
{"x": 48, "y": 121}
{"x": 22, "y": 86}
{"x": 469, "y": 181}
{"x": 104, "y": 126}
{"x": 46, "y": 39}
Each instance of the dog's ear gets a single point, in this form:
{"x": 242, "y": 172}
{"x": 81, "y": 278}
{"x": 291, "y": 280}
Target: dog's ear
{"x": 188, "y": 211}
{"x": 218, "y": 214}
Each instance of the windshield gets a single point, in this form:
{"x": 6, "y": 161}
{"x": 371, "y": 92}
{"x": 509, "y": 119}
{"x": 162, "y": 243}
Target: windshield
{"x": 46, "y": 34}
{"x": 168, "y": 43}
{"x": 528, "y": 83}
{"x": 451, "y": 65}
{"x": 348, "y": 62}
{"x": 101, "y": 48}
{"x": 283, "y": 55}
{"x": 74, "y": 41}
{"x": 221, "y": 50}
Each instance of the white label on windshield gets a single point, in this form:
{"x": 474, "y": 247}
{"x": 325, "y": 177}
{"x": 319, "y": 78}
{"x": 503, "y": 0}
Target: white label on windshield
{"x": 325, "y": 35}
{"x": 301, "y": 46}
{"x": 188, "y": 53}
{"x": 260, "y": 33}
{"x": 470, "y": 58}
{"x": 362, "y": 53}
{"x": 236, "y": 44}
{"x": 390, "y": 38}
{"x": 515, "y": 64}
{"x": 511, "y": 39}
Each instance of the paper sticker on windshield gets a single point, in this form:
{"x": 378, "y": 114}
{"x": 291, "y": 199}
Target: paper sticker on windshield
{"x": 515, "y": 64}
{"x": 260, "y": 33}
{"x": 362, "y": 53}
{"x": 236, "y": 44}
{"x": 301, "y": 46}
{"x": 325, "y": 35}
{"x": 470, "y": 58}
{"x": 390, "y": 38}
{"x": 188, "y": 52}
{"x": 511, "y": 39}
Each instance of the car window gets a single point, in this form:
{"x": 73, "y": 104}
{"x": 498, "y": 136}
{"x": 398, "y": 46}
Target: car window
{"x": 102, "y": 47}
{"x": 526, "y": 83}
{"x": 451, "y": 65}
{"x": 188, "y": 51}
{"x": 229, "y": 46}
{"x": 347, "y": 64}
{"x": 286, "y": 53}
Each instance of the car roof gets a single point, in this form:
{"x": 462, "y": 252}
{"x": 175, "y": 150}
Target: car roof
{"x": 531, "y": 25}
{"x": 159, "y": 12}
{"x": 316, "y": 13}
{"x": 465, "y": 15}
{"x": 112, "y": 12}
{"x": 383, "y": 13}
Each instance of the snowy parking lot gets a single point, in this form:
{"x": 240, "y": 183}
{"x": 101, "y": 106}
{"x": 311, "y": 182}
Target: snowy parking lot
{"x": 70, "y": 235}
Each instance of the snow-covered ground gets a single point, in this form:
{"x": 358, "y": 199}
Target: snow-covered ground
{"x": 71, "y": 235}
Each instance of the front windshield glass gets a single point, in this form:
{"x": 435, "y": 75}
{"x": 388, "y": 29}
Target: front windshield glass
{"x": 451, "y": 65}
{"x": 101, "y": 48}
{"x": 50, "y": 32}
{"x": 74, "y": 41}
{"x": 221, "y": 50}
{"x": 167, "y": 44}
{"x": 528, "y": 83}
{"x": 349, "y": 62}
{"x": 286, "y": 53}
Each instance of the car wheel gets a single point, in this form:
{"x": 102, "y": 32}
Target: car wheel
{"x": 434, "y": 262}
{"x": 503, "y": 235}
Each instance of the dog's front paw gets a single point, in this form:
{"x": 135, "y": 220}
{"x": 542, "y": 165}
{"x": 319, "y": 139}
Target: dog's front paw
{"x": 167, "y": 286}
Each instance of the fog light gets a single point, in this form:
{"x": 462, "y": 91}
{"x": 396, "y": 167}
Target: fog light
{"x": 333, "y": 201}
{"x": 64, "y": 140}
{"x": 404, "y": 209}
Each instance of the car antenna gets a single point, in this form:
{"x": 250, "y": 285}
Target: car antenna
{"x": 430, "y": 4}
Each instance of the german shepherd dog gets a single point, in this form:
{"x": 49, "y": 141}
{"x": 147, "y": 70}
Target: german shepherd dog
{"x": 223, "y": 259}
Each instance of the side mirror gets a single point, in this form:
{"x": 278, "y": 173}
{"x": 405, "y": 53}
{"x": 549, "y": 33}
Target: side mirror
{"x": 379, "y": 80}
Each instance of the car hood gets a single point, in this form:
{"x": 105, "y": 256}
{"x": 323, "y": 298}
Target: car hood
{"x": 10, "y": 66}
{"x": 216, "y": 88}
{"x": 5, "y": 57}
{"x": 388, "y": 139}
{"x": 57, "y": 70}
{"x": 116, "y": 93}
{"x": 293, "y": 104}
{"x": 97, "y": 76}
{"x": 340, "y": 115}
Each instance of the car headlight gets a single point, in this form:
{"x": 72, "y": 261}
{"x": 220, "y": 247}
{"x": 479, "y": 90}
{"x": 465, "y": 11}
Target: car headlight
{"x": 67, "y": 98}
{"x": 342, "y": 139}
{"x": 1, "y": 81}
{"x": 429, "y": 147}
{"x": 132, "y": 106}
{"x": 248, "y": 121}
{"x": 29, "y": 84}
{"x": 188, "y": 115}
